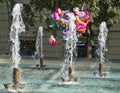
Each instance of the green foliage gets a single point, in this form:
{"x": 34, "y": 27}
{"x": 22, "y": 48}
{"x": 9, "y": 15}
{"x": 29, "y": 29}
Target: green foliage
{"x": 36, "y": 7}
{"x": 9, "y": 3}
{"x": 29, "y": 16}
{"x": 1, "y": 1}
{"x": 109, "y": 12}
{"x": 100, "y": 10}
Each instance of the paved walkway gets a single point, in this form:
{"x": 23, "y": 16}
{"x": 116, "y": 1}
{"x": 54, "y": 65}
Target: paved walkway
{"x": 78, "y": 62}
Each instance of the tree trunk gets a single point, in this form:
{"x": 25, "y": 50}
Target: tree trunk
{"x": 88, "y": 50}
{"x": 88, "y": 41}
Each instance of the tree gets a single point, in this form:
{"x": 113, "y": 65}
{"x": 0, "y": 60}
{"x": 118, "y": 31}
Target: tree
{"x": 109, "y": 11}
{"x": 9, "y": 4}
{"x": 37, "y": 6}
{"x": 1, "y": 1}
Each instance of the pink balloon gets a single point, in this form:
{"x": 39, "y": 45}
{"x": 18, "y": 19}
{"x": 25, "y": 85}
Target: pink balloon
{"x": 80, "y": 28}
{"x": 56, "y": 17}
{"x": 52, "y": 40}
{"x": 58, "y": 10}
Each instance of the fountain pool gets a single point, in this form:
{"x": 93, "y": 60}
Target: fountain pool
{"x": 47, "y": 80}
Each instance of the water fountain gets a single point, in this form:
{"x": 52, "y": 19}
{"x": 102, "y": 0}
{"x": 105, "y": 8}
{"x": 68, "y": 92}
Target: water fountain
{"x": 102, "y": 48}
{"x": 17, "y": 27}
{"x": 49, "y": 80}
{"x": 38, "y": 56}
{"x": 70, "y": 46}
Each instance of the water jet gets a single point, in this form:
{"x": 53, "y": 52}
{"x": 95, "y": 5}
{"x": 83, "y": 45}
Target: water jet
{"x": 38, "y": 55}
{"x": 102, "y": 49}
{"x": 70, "y": 47}
{"x": 17, "y": 27}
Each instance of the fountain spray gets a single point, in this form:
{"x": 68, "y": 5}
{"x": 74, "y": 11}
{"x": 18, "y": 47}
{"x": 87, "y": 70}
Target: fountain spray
{"x": 17, "y": 27}
{"x": 102, "y": 46}
{"x": 38, "y": 56}
{"x": 70, "y": 46}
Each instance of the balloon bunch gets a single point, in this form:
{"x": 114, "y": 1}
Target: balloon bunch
{"x": 82, "y": 18}
{"x": 56, "y": 19}
{"x": 59, "y": 19}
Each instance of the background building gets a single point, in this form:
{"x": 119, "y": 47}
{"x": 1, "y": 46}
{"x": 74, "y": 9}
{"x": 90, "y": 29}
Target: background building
{"x": 29, "y": 37}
